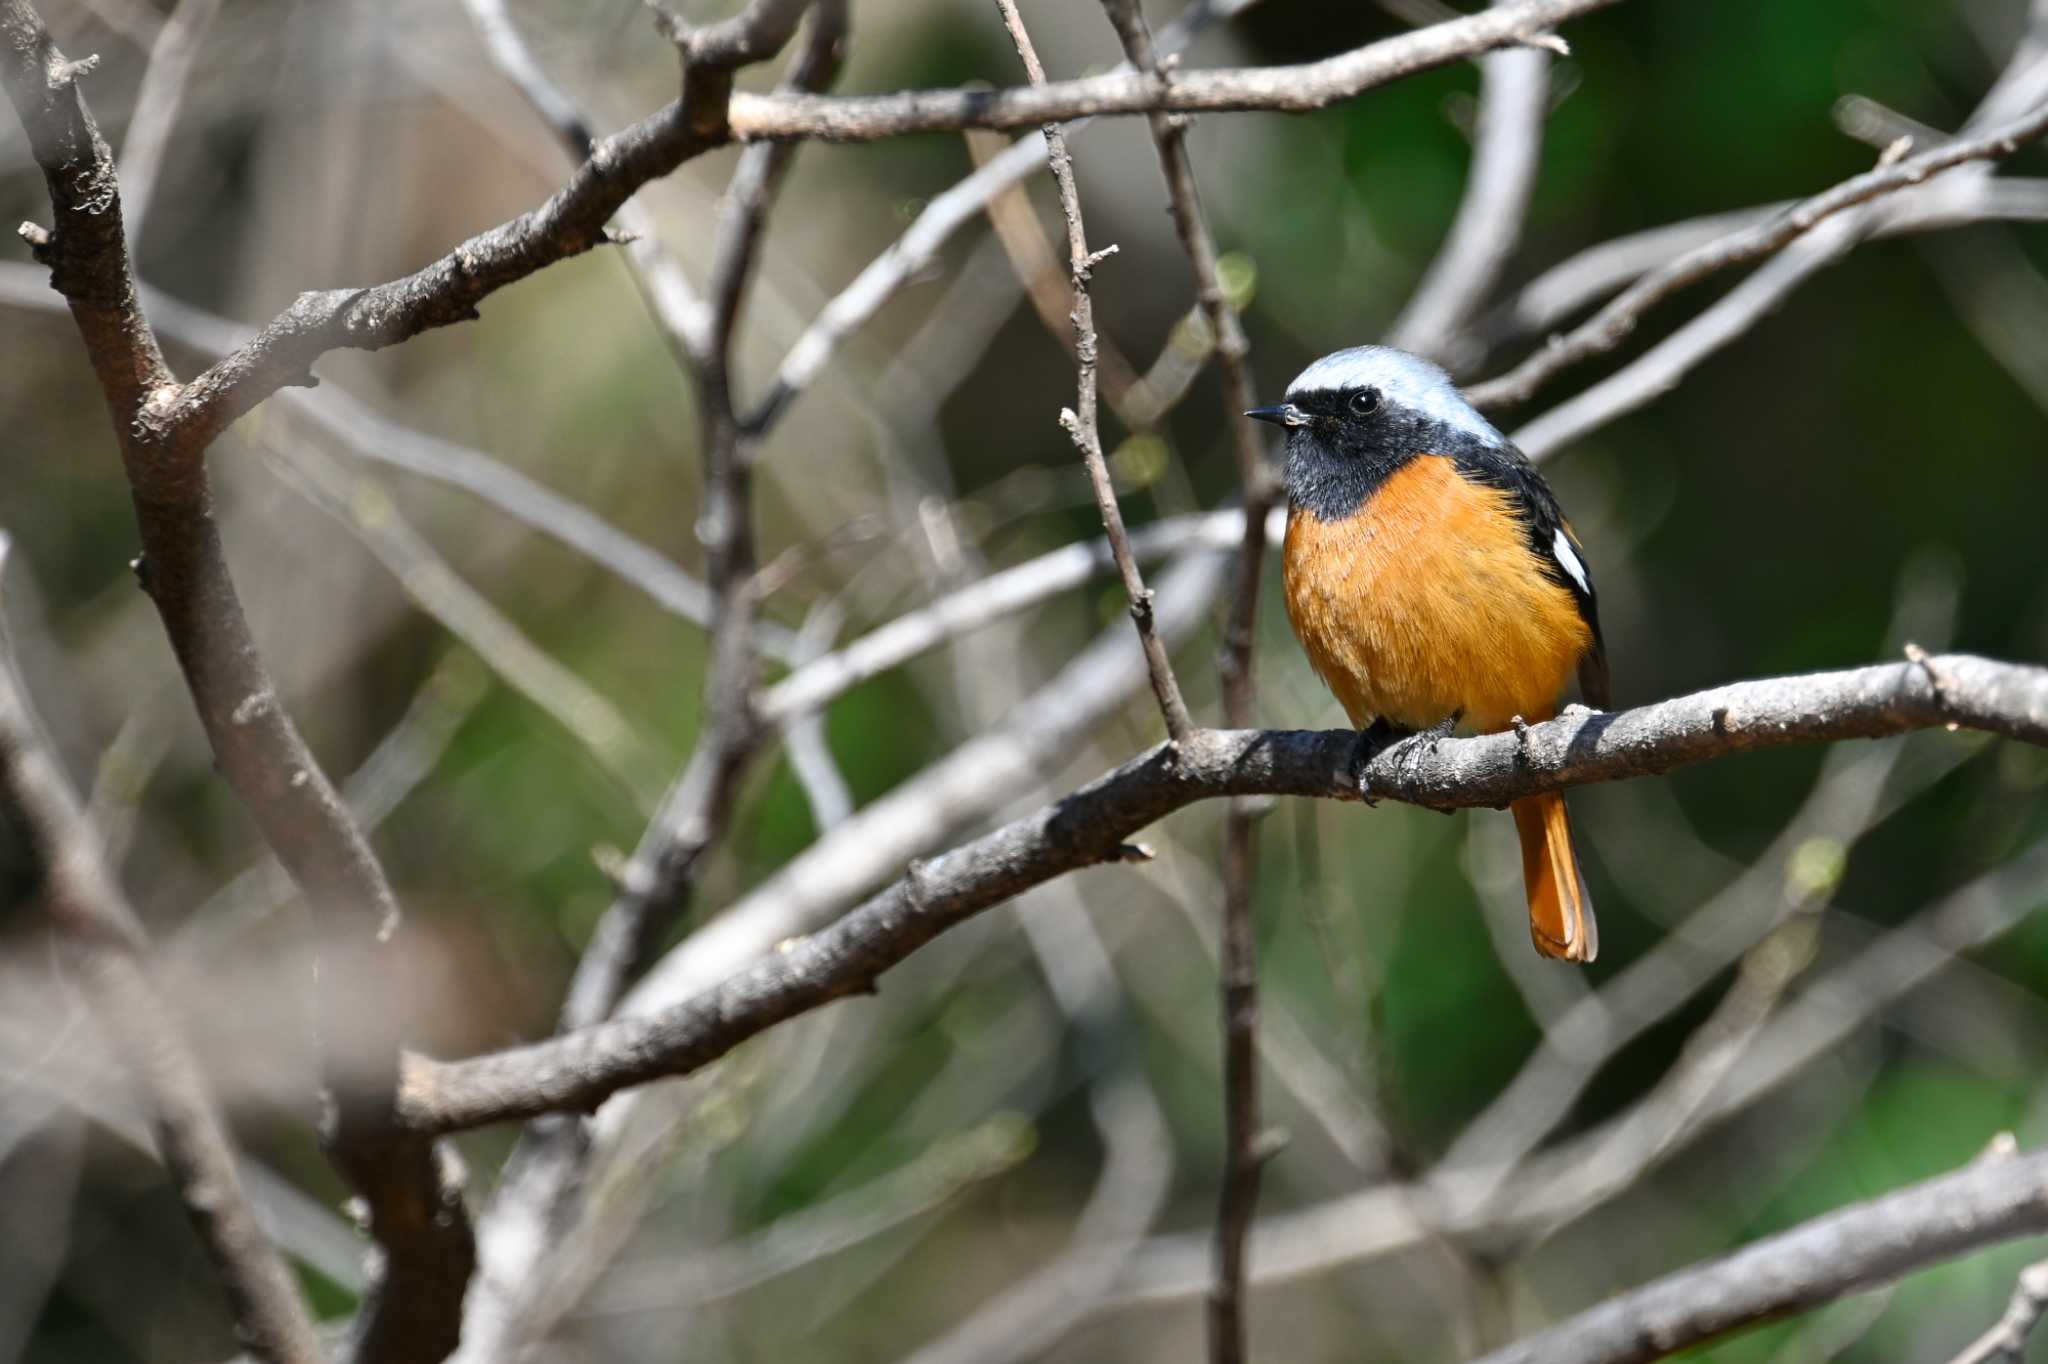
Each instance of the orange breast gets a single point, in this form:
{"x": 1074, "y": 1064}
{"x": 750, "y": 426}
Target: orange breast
{"x": 1429, "y": 600}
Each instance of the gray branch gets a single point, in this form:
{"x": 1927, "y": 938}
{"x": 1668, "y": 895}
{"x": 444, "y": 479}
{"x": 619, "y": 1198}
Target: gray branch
{"x": 1814, "y": 1263}
{"x": 577, "y": 1071}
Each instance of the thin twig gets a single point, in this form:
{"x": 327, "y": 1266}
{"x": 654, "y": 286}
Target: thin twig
{"x": 2007, "y": 1338}
{"x": 365, "y": 507}
{"x": 98, "y": 930}
{"x": 1080, "y": 420}
{"x": 1612, "y": 325}
{"x": 1597, "y": 271}
{"x": 1237, "y": 967}
{"x": 820, "y": 681}
{"x": 1814, "y": 1263}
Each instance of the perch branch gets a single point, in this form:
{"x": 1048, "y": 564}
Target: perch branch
{"x": 1090, "y": 827}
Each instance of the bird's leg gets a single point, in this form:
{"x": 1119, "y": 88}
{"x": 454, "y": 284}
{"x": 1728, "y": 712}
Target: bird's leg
{"x": 1375, "y": 739}
{"x": 1425, "y": 741}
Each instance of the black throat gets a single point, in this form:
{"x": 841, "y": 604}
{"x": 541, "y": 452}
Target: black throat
{"x": 1334, "y": 466}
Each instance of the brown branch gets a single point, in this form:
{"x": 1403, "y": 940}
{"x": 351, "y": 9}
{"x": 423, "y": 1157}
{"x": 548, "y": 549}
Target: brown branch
{"x": 573, "y": 220}
{"x": 1816, "y": 1262}
{"x": 1090, "y": 827}
{"x": 1612, "y": 325}
{"x": 1237, "y": 967}
{"x": 1080, "y": 421}
{"x": 1291, "y": 89}
{"x": 101, "y": 934}
{"x": 540, "y": 1192}
{"x": 413, "y": 1198}
{"x": 1025, "y": 242}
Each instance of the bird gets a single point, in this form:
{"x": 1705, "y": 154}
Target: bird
{"x": 1435, "y": 584}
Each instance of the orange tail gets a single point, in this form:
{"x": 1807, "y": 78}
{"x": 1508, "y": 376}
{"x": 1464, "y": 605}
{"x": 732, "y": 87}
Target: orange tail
{"x": 1560, "y": 913}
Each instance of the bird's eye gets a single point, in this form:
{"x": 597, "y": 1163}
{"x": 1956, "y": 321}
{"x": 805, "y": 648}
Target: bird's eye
{"x": 1365, "y": 402}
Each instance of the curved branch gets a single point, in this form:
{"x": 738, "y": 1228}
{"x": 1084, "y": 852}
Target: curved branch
{"x": 573, "y": 220}
{"x": 580, "y": 1070}
{"x": 410, "y": 1188}
{"x": 91, "y": 918}
{"x": 1287, "y": 89}
{"x": 1610, "y": 326}
{"x": 1816, "y": 1262}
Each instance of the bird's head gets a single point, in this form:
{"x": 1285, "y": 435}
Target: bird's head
{"x": 1356, "y": 415}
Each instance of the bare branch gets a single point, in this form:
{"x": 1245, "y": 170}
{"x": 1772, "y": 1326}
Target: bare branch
{"x": 1565, "y": 1182}
{"x": 1294, "y": 89}
{"x": 573, "y": 220}
{"x": 1091, "y": 826}
{"x": 1951, "y": 201}
{"x": 1814, "y": 1263}
{"x": 157, "y": 104}
{"x": 879, "y": 281}
{"x": 2007, "y": 1339}
{"x": 412, "y": 1193}
{"x": 1244, "y": 1149}
{"x": 364, "y": 433}
{"x": 1612, "y": 324}
{"x": 1080, "y": 422}
{"x": 362, "y": 505}
{"x": 822, "y": 680}
{"x": 1507, "y": 144}
{"x": 92, "y": 920}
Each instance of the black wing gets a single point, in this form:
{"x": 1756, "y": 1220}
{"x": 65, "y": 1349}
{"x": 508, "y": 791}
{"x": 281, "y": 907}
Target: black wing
{"x": 1555, "y": 545}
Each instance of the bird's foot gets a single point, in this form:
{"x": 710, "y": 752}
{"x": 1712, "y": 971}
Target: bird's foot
{"x": 1423, "y": 744}
{"x": 1373, "y": 740}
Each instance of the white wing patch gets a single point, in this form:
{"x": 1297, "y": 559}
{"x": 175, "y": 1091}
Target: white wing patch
{"x": 1569, "y": 561}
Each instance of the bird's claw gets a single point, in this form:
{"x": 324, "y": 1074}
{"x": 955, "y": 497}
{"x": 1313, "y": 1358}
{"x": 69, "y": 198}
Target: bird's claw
{"x": 1373, "y": 740}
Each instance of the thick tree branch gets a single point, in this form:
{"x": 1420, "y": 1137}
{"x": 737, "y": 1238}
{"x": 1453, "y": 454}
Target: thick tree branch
{"x": 1091, "y": 826}
{"x": 100, "y": 933}
{"x": 1814, "y": 1263}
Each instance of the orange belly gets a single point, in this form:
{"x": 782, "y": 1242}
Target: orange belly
{"x": 1429, "y": 601}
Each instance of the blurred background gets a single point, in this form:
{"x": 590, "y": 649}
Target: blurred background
{"x": 1822, "y": 973}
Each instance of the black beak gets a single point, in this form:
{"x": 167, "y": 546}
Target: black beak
{"x": 1286, "y": 414}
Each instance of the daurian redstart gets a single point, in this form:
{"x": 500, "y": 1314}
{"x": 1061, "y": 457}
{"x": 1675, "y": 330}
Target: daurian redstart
{"x": 1434, "y": 582}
